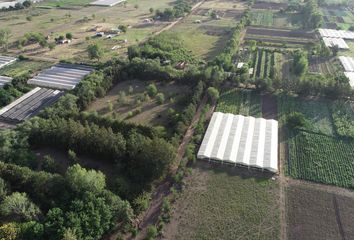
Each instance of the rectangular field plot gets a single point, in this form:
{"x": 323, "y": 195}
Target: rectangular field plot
{"x": 4, "y": 60}
{"x": 61, "y": 76}
{"x": 314, "y": 213}
{"x": 321, "y": 158}
{"x": 241, "y": 102}
{"x": 4, "y": 81}
{"x": 107, "y": 3}
{"x": 29, "y": 105}
{"x": 225, "y": 203}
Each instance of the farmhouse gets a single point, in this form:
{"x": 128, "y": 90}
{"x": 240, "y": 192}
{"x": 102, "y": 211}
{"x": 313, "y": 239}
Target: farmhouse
{"x": 61, "y": 76}
{"x": 240, "y": 140}
{"x": 29, "y": 105}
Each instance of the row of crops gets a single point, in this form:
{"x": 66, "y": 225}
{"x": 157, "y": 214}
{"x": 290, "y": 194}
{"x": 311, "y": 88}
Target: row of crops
{"x": 266, "y": 64}
{"x": 243, "y": 102}
{"x": 262, "y": 18}
{"x": 321, "y": 158}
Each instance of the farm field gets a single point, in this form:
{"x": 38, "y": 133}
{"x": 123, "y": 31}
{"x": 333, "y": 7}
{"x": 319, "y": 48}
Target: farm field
{"x": 209, "y": 37}
{"x": 136, "y": 106}
{"x": 322, "y": 65}
{"x": 321, "y": 158}
{"x": 322, "y": 151}
{"x": 338, "y": 18}
{"x": 318, "y": 214}
{"x": 225, "y": 203}
{"x": 20, "y": 68}
{"x": 82, "y": 22}
{"x": 241, "y": 102}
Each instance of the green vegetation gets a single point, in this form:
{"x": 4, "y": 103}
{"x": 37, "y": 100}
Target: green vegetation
{"x": 227, "y": 199}
{"x": 241, "y": 102}
{"x": 262, "y": 18}
{"x": 321, "y": 158}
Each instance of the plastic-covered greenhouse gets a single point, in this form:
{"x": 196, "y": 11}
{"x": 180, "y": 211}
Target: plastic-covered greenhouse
{"x": 239, "y": 140}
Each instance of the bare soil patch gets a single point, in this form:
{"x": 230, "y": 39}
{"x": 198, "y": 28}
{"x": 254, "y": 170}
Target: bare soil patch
{"x": 269, "y": 107}
{"x": 280, "y": 33}
{"x": 269, "y": 5}
{"x": 318, "y": 214}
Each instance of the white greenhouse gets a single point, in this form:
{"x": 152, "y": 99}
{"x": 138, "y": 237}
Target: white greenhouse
{"x": 239, "y": 140}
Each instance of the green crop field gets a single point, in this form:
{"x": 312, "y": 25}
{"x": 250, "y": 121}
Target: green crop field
{"x": 241, "y": 102}
{"x": 219, "y": 203}
{"x": 262, "y": 18}
{"x": 20, "y": 68}
{"x": 322, "y": 159}
{"x": 323, "y": 150}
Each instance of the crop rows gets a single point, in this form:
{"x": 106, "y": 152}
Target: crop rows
{"x": 321, "y": 158}
{"x": 241, "y": 102}
{"x": 264, "y": 63}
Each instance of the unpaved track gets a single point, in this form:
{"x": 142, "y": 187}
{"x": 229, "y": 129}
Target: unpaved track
{"x": 163, "y": 190}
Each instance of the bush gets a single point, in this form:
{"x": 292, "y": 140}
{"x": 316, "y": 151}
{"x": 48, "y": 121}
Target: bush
{"x": 151, "y": 233}
{"x": 160, "y": 98}
{"x": 296, "y": 120}
{"x": 151, "y": 90}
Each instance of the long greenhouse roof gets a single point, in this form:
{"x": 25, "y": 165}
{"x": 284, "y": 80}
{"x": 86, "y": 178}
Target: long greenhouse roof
{"x": 236, "y": 139}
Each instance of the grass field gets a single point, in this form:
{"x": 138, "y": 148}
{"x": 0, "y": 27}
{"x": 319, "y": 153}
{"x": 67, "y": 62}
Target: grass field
{"x": 81, "y": 22}
{"x": 225, "y": 203}
{"x": 317, "y": 214}
{"x": 209, "y": 37}
{"x": 241, "y": 102}
{"x": 138, "y": 108}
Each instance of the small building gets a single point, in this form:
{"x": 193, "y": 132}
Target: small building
{"x": 99, "y": 34}
{"x": 240, "y": 64}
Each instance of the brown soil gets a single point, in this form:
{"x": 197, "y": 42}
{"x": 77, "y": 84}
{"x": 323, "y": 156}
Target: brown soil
{"x": 269, "y": 5}
{"x": 269, "y": 107}
{"x": 280, "y": 33}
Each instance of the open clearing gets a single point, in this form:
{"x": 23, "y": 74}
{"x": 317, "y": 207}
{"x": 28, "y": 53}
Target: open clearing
{"x": 82, "y": 22}
{"x": 209, "y": 37}
{"x": 147, "y": 111}
{"x": 225, "y": 203}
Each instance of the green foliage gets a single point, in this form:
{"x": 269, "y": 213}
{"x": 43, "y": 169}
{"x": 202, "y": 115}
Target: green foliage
{"x": 321, "y": 158}
{"x": 81, "y": 180}
{"x": 31, "y": 38}
{"x": 18, "y": 207}
{"x": 3, "y": 189}
{"x": 69, "y": 36}
{"x": 9, "y": 231}
{"x": 301, "y": 63}
{"x": 296, "y": 120}
{"x": 181, "y": 8}
{"x": 160, "y": 98}
{"x": 165, "y": 47}
{"x": 31, "y": 230}
{"x": 241, "y": 102}
{"x": 151, "y": 233}
{"x": 95, "y": 51}
{"x": 5, "y": 35}
{"x": 152, "y": 90}
{"x": 343, "y": 119}
{"x": 213, "y": 93}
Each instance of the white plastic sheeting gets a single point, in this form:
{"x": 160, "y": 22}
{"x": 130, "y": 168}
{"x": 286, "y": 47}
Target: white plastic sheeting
{"x": 5, "y": 60}
{"x": 348, "y": 63}
{"x": 331, "y": 42}
{"x": 332, "y": 33}
{"x": 350, "y": 76}
{"x": 60, "y": 77}
{"x": 4, "y": 80}
{"x": 108, "y": 3}
{"x": 236, "y": 139}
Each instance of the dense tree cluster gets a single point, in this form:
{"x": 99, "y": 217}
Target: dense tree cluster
{"x": 48, "y": 206}
{"x": 181, "y": 8}
{"x": 311, "y": 15}
{"x": 18, "y": 6}
{"x": 167, "y": 47}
